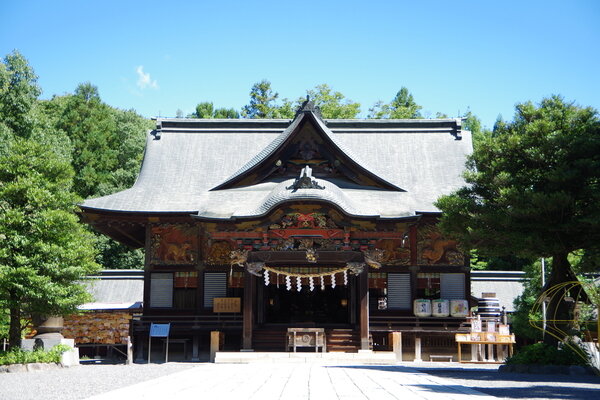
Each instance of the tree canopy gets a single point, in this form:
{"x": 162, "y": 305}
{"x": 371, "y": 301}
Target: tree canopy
{"x": 533, "y": 187}
{"x": 402, "y": 106}
{"x": 18, "y": 93}
{"x": 206, "y": 109}
{"x": 105, "y": 146}
{"x": 44, "y": 250}
{"x": 263, "y": 102}
{"x": 333, "y": 104}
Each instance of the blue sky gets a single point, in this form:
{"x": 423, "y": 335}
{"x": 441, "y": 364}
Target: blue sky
{"x": 157, "y": 57}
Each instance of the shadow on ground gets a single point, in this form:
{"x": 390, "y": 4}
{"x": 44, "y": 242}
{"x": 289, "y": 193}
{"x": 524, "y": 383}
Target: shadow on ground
{"x": 505, "y": 385}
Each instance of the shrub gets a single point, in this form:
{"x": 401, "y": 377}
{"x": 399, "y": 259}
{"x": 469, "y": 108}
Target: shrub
{"x": 543, "y": 354}
{"x": 19, "y": 356}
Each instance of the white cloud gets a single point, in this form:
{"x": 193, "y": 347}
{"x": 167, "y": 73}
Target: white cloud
{"x": 144, "y": 80}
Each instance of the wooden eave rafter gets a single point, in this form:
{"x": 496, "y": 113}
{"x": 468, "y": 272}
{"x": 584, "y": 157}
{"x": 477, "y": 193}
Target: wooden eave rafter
{"x": 113, "y": 225}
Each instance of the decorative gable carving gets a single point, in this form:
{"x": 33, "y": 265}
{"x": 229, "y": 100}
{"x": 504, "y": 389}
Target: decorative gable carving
{"x": 306, "y": 142}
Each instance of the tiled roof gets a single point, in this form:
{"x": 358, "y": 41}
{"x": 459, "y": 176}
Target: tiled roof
{"x": 186, "y": 158}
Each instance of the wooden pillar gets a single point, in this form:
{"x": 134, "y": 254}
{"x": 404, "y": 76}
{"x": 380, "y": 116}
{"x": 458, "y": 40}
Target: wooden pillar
{"x": 248, "y": 325}
{"x": 363, "y": 296}
{"x": 396, "y": 341}
{"x": 215, "y": 344}
{"x": 196, "y": 347}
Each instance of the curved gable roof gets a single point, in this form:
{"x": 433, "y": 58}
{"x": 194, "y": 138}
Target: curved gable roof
{"x": 262, "y": 165}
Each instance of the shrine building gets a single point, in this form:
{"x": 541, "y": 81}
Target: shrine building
{"x": 252, "y": 227}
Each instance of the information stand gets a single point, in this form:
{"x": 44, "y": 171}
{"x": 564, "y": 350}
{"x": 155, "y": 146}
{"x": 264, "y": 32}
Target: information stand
{"x": 159, "y": 330}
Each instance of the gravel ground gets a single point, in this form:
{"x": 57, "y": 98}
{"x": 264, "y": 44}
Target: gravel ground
{"x": 518, "y": 386}
{"x": 83, "y": 381}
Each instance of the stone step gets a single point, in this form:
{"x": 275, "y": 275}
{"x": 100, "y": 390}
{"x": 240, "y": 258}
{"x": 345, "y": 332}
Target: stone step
{"x": 361, "y": 357}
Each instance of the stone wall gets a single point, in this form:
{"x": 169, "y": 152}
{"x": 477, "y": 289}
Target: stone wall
{"x": 98, "y": 327}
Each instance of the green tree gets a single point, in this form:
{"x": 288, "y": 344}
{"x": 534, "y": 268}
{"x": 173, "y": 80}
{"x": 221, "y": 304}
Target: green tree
{"x": 18, "y": 93}
{"x": 106, "y": 146}
{"x": 472, "y": 123}
{"x": 226, "y": 113}
{"x": 403, "y": 106}
{"x": 204, "y": 110}
{"x": 92, "y": 129}
{"x": 333, "y": 105}
{"x": 533, "y": 189}
{"x": 263, "y": 102}
{"x": 44, "y": 250}
{"x": 207, "y": 110}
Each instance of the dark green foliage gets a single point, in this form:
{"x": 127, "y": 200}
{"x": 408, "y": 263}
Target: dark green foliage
{"x": 44, "y": 249}
{"x": 532, "y": 287}
{"x": 106, "y": 146}
{"x": 18, "y": 356}
{"x": 107, "y": 143}
{"x": 543, "y": 354}
{"x": 533, "y": 186}
{"x": 533, "y": 190}
{"x": 114, "y": 255}
{"x": 498, "y": 263}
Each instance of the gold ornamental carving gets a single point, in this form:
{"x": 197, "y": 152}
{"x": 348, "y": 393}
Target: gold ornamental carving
{"x": 433, "y": 248}
{"x": 173, "y": 244}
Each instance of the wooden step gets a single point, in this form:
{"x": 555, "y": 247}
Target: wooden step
{"x": 269, "y": 340}
{"x": 338, "y": 340}
{"x": 343, "y": 340}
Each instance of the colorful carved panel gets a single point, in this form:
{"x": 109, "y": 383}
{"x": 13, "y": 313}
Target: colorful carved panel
{"x": 219, "y": 253}
{"x": 434, "y": 248}
{"x": 174, "y": 244}
{"x": 309, "y": 220}
{"x": 395, "y": 251}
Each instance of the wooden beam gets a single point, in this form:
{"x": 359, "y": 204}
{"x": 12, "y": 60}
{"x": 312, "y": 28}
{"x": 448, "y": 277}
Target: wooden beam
{"x": 300, "y": 232}
{"x": 363, "y": 297}
{"x": 248, "y": 325}
{"x": 127, "y": 235}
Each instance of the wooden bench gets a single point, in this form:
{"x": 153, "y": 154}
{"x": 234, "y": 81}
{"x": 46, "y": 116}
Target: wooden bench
{"x": 434, "y": 357}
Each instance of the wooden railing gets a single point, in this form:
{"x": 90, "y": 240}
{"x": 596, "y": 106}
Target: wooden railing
{"x": 191, "y": 322}
{"x": 412, "y": 323}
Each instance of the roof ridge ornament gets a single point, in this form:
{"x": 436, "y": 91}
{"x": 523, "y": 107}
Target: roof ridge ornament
{"x": 305, "y": 181}
{"x": 309, "y": 106}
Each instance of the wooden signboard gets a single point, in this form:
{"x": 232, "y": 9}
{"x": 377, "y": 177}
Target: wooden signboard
{"x": 227, "y": 305}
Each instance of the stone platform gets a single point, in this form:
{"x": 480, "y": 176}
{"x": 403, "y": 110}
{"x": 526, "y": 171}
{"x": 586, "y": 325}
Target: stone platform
{"x": 332, "y": 358}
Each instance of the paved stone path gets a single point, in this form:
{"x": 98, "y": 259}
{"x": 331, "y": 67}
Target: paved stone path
{"x": 299, "y": 381}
